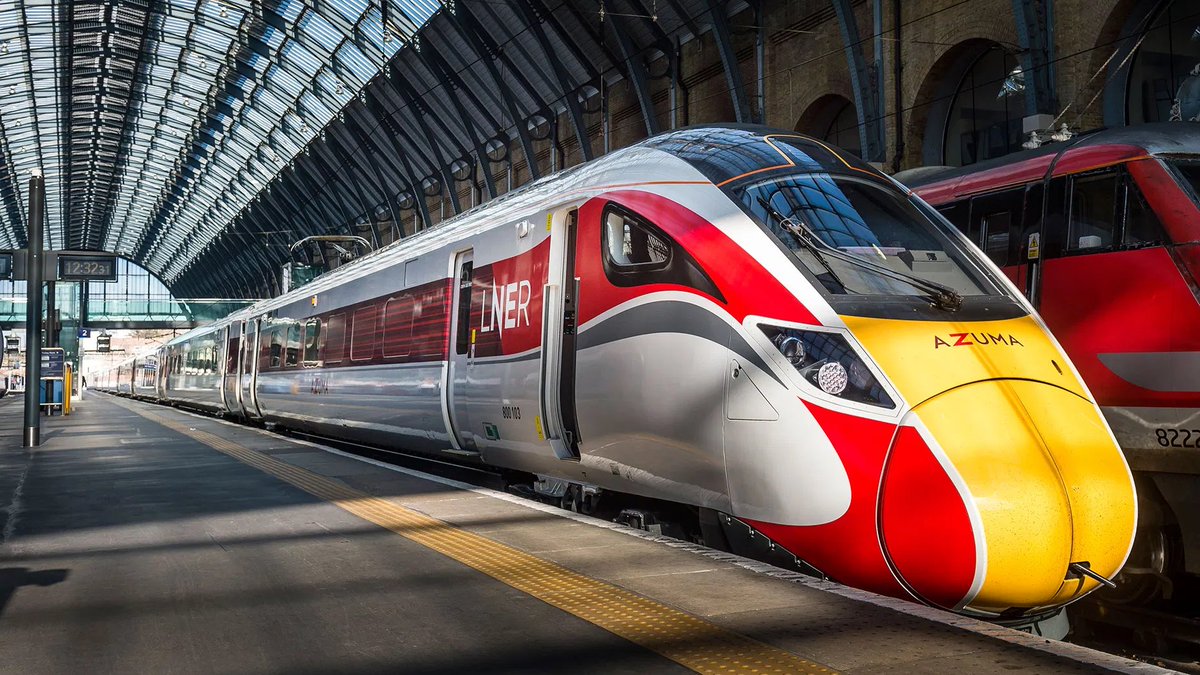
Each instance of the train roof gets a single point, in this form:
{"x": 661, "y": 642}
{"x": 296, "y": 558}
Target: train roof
{"x": 1162, "y": 138}
{"x": 720, "y": 154}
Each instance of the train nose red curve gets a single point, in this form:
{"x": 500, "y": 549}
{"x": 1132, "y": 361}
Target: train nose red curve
{"x": 926, "y": 530}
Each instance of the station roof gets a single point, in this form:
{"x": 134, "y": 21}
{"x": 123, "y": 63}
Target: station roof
{"x": 189, "y": 134}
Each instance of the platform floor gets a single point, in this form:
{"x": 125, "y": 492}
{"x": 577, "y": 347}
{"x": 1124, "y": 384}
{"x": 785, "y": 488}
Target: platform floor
{"x": 143, "y": 538}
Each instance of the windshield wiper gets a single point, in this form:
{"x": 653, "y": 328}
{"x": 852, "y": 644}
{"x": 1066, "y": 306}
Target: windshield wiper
{"x": 808, "y": 245}
{"x": 942, "y": 296}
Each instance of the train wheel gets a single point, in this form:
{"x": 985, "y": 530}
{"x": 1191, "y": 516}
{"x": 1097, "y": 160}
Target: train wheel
{"x": 1157, "y": 555}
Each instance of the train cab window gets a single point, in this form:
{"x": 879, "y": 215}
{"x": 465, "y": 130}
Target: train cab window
{"x": 1142, "y": 226}
{"x": 312, "y": 337}
{"x": 994, "y": 218}
{"x": 631, "y": 243}
{"x": 636, "y": 253}
{"x": 995, "y": 236}
{"x": 362, "y": 335}
{"x": 1093, "y": 212}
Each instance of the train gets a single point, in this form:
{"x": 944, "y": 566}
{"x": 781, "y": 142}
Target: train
{"x": 747, "y": 323}
{"x": 1102, "y": 235}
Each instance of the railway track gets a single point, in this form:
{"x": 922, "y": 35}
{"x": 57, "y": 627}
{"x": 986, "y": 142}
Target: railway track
{"x": 1151, "y": 635}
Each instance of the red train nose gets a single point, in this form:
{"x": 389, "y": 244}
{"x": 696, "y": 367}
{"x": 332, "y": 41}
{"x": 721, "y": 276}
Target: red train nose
{"x": 924, "y": 524}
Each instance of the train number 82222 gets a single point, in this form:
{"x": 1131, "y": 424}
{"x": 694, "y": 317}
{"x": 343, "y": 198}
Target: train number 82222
{"x": 1178, "y": 438}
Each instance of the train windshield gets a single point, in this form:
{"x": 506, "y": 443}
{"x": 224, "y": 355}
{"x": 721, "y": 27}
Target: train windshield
{"x": 865, "y": 238}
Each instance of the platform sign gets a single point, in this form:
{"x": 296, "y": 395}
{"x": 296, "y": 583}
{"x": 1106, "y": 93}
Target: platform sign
{"x": 52, "y": 363}
{"x": 87, "y": 267}
{"x": 12, "y": 345}
{"x": 104, "y": 343}
{"x": 85, "y": 333}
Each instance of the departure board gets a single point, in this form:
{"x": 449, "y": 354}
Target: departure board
{"x": 87, "y": 267}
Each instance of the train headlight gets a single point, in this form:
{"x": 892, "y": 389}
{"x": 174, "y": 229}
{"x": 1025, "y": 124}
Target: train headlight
{"x": 832, "y": 378}
{"x": 829, "y": 363}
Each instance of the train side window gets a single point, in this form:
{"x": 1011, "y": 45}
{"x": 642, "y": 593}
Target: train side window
{"x": 993, "y": 219}
{"x": 996, "y": 229}
{"x": 277, "y": 337}
{"x": 362, "y": 335}
{"x": 1093, "y": 212}
{"x": 292, "y": 356}
{"x": 335, "y": 339}
{"x": 1142, "y": 226}
{"x": 636, "y": 252}
{"x": 232, "y": 348}
{"x": 631, "y": 243}
{"x": 397, "y": 326}
{"x": 957, "y": 213}
{"x": 312, "y": 341}
{"x": 463, "y": 333}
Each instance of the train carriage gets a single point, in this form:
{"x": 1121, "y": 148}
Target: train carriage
{"x": 744, "y": 322}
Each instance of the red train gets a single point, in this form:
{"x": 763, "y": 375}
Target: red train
{"x": 1102, "y": 234}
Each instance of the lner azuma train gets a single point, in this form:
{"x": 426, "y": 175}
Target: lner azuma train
{"x": 1102, "y": 234}
{"x": 751, "y": 324}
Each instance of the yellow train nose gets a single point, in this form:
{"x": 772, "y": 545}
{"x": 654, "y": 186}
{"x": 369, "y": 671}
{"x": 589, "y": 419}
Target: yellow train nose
{"x": 1048, "y": 485}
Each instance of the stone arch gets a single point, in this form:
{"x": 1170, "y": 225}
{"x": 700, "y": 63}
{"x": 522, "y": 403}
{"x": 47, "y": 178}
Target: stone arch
{"x": 822, "y": 115}
{"x": 932, "y": 106}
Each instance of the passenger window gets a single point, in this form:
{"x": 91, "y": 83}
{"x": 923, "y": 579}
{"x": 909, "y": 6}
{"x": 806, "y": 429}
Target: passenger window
{"x": 293, "y": 345}
{"x": 398, "y": 326}
{"x": 1093, "y": 212}
{"x": 631, "y": 243}
{"x": 276, "y": 347}
{"x": 362, "y": 335}
{"x": 1141, "y": 224}
{"x": 312, "y": 337}
{"x": 335, "y": 339}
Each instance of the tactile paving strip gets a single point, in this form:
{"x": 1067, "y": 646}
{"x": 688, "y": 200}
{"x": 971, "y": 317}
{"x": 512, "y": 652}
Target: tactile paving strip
{"x": 686, "y": 639}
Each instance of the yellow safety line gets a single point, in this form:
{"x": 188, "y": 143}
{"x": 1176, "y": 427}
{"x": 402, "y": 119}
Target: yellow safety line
{"x": 686, "y": 639}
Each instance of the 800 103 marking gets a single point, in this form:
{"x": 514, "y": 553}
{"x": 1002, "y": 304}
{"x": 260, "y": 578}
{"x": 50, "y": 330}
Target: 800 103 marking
{"x": 1178, "y": 438}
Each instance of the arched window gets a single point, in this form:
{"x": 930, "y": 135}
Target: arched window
{"x": 833, "y": 118}
{"x": 1164, "y": 60}
{"x": 843, "y": 129}
{"x": 983, "y": 122}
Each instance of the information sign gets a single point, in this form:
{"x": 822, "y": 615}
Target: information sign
{"x": 52, "y": 362}
{"x": 87, "y": 267}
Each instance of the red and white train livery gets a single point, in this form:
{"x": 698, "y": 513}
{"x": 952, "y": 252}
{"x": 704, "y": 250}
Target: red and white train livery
{"x": 737, "y": 320}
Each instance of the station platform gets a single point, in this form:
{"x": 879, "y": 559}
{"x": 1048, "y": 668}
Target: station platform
{"x": 144, "y": 538}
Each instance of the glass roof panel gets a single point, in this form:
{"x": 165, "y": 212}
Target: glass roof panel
{"x": 181, "y": 111}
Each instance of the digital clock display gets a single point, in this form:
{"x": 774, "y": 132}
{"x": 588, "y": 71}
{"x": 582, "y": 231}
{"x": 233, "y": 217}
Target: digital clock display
{"x": 88, "y": 268}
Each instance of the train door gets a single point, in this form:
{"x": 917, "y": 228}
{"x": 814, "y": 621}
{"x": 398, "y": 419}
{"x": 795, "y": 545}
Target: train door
{"x": 461, "y": 349}
{"x": 996, "y": 226}
{"x": 559, "y": 322}
{"x": 248, "y": 369}
{"x": 229, "y": 379}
